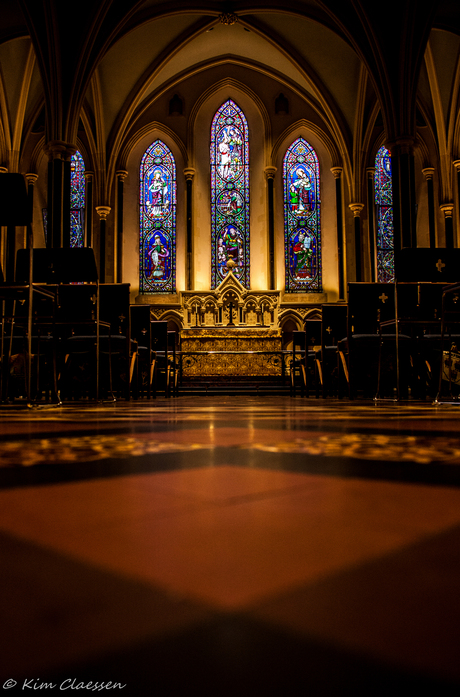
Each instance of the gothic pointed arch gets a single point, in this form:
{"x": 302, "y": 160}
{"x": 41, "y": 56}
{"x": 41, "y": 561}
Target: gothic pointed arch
{"x": 157, "y": 247}
{"x": 302, "y": 218}
{"x": 229, "y": 155}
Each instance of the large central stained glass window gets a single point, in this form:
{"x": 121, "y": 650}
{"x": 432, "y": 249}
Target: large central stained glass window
{"x": 77, "y": 200}
{"x": 157, "y": 251}
{"x": 229, "y": 195}
{"x": 384, "y": 214}
{"x": 302, "y": 221}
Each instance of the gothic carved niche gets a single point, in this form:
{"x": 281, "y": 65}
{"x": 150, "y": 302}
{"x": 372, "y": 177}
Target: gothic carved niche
{"x": 232, "y": 305}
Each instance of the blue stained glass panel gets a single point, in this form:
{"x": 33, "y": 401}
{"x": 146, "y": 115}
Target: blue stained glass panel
{"x": 77, "y": 200}
{"x": 229, "y": 154}
{"x": 302, "y": 218}
{"x": 384, "y": 214}
{"x": 158, "y": 192}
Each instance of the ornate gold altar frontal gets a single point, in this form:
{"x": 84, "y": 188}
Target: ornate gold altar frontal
{"x": 231, "y": 352}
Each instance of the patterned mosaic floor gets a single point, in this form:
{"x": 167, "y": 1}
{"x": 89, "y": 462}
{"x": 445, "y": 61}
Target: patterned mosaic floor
{"x": 230, "y": 546}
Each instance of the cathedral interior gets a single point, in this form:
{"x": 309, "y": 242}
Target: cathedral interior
{"x": 230, "y": 380}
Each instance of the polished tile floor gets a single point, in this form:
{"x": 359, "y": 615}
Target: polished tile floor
{"x": 231, "y": 546}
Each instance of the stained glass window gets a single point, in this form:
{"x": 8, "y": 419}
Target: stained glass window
{"x": 157, "y": 253}
{"x": 302, "y": 220}
{"x": 77, "y": 200}
{"x": 229, "y": 195}
{"x": 384, "y": 215}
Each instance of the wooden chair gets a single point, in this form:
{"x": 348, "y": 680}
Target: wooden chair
{"x": 298, "y": 364}
{"x": 333, "y": 330}
{"x": 163, "y": 370}
{"x": 115, "y": 310}
{"x": 369, "y": 304}
{"x": 146, "y": 356}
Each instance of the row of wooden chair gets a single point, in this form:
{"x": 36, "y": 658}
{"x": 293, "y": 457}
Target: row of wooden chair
{"x": 389, "y": 341}
{"x": 79, "y": 339}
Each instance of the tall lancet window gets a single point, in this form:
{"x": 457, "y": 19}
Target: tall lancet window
{"x": 229, "y": 195}
{"x": 157, "y": 251}
{"x": 384, "y": 215}
{"x": 77, "y": 200}
{"x": 302, "y": 220}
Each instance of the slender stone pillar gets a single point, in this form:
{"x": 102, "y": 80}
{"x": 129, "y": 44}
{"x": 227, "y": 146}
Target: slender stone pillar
{"x": 270, "y": 174}
{"x": 8, "y": 246}
{"x": 448, "y": 209}
{"x": 103, "y": 212}
{"x": 118, "y": 246}
{"x": 428, "y": 172}
{"x": 337, "y": 173}
{"x": 357, "y": 208}
{"x": 403, "y": 186}
{"x": 59, "y": 154}
{"x": 370, "y": 172}
{"x": 457, "y": 168}
{"x": 89, "y": 179}
{"x": 189, "y": 173}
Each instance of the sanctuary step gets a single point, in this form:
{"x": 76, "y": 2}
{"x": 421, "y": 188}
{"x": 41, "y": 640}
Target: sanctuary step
{"x": 233, "y": 386}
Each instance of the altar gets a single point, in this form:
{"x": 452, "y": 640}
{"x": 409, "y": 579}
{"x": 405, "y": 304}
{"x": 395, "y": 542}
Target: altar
{"x": 231, "y": 351}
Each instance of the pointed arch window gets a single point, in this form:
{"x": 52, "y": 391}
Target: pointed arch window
{"x": 229, "y": 195}
{"x": 302, "y": 218}
{"x": 158, "y": 192}
{"x": 77, "y": 200}
{"x": 384, "y": 215}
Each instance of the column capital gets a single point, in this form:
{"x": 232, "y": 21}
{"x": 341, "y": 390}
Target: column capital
{"x": 456, "y": 164}
{"x": 60, "y": 150}
{"x": 336, "y": 172}
{"x": 270, "y": 172}
{"x": 103, "y": 211}
{"x": 3, "y": 170}
{"x": 88, "y": 175}
{"x": 447, "y": 209}
{"x": 121, "y": 174}
{"x": 370, "y": 171}
{"x": 189, "y": 173}
{"x": 428, "y": 172}
{"x": 31, "y": 177}
{"x": 356, "y": 208}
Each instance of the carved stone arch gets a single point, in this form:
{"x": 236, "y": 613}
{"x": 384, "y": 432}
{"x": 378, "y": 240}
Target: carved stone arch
{"x": 155, "y": 130}
{"x": 173, "y": 316}
{"x": 233, "y": 86}
{"x": 307, "y": 127}
{"x": 291, "y": 316}
{"x": 314, "y": 313}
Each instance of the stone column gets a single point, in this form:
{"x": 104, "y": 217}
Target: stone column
{"x": 448, "y": 209}
{"x": 428, "y": 172}
{"x": 457, "y": 167}
{"x": 370, "y": 173}
{"x": 403, "y": 186}
{"x": 189, "y": 173}
{"x": 270, "y": 174}
{"x": 89, "y": 179}
{"x": 103, "y": 212}
{"x": 59, "y": 154}
{"x": 8, "y": 246}
{"x": 337, "y": 173}
{"x": 118, "y": 244}
{"x": 357, "y": 208}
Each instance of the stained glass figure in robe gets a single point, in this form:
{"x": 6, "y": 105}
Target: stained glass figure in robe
{"x": 229, "y": 154}
{"x": 157, "y": 220}
{"x": 77, "y": 200}
{"x": 302, "y": 222}
{"x": 384, "y": 214}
